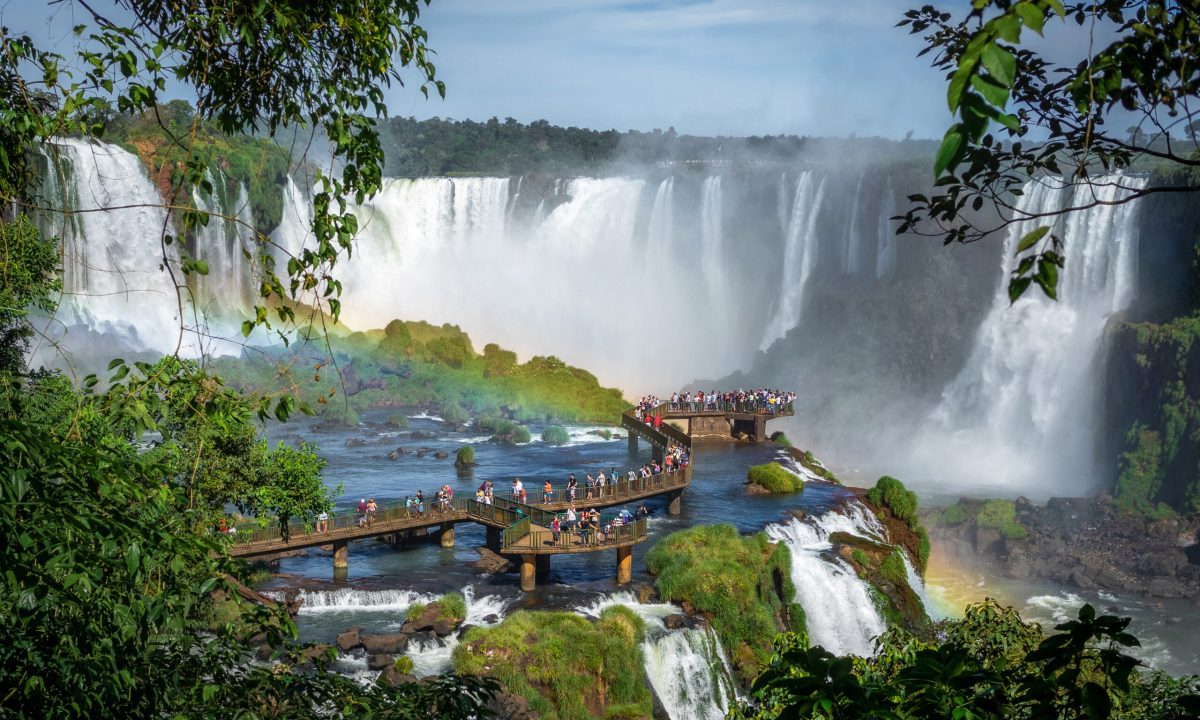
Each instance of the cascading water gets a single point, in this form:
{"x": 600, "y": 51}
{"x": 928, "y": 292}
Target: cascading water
{"x": 433, "y": 657}
{"x": 842, "y": 616}
{"x": 115, "y": 266}
{"x": 1019, "y": 416}
{"x": 226, "y": 289}
{"x": 885, "y": 248}
{"x": 799, "y": 256}
{"x": 686, "y": 667}
{"x": 853, "y": 240}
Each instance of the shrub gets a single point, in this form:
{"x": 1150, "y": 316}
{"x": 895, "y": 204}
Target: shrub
{"x": 453, "y": 606}
{"x": 521, "y": 434}
{"x": 404, "y": 665}
{"x": 860, "y": 558}
{"x": 1001, "y": 515}
{"x": 498, "y": 362}
{"x": 899, "y": 500}
{"x": 415, "y": 610}
{"x": 555, "y": 435}
{"x": 952, "y": 516}
{"x": 465, "y": 457}
{"x": 780, "y": 439}
{"x": 775, "y": 478}
{"x": 451, "y": 351}
{"x": 399, "y": 422}
{"x": 453, "y": 413}
{"x": 892, "y": 568}
{"x": 337, "y": 413}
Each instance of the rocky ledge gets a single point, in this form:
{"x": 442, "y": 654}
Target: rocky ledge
{"x": 1084, "y": 542}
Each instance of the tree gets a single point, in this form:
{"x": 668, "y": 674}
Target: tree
{"x": 1020, "y": 116}
{"x": 28, "y": 279}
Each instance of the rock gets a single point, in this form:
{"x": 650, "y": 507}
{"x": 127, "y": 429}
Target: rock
{"x": 987, "y": 540}
{"x": 441, "y": 455}
{"x": 355, "y": 442}
{"x": 349, "y": 640}
{"x": 492, "y": 562}
{"x": 1018, "y": 568}
{"x": 491, "y": 619}
{"x": 423, "y": 622}
{"x": 1165, "y": 588}
{"x": 422, "y": 452}
{"x": 754, "y": 488}
{"x": 391, "y": 643}
{"x": 395, "y": 454}
{"x": 444, "y": 627}
{"x": 1164, "y": 563}
{"x": 1173, "y": 620}
{"x": 380, "y": 662}
{"x": 423, "y": 435}
{"x": 1079, "y": 578}
{"x": 687, "y": 608}
{"x": 512, "y": 707}
{"x": 312, "y": 653}
{"x": 675, "y": 621}
{"x": 646, "y": 593}
{"x": 392, "y": 676}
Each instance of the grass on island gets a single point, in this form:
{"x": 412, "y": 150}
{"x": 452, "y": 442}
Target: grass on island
{"x": 743, "y": 582}
{"x": 416, "y": 364}
{"x": 890, "y": 495}
{"x": 775, "y": 478}
{"x": 567, "y": 666}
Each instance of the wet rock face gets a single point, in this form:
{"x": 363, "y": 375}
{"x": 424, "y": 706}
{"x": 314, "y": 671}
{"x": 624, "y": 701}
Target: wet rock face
{"x": 1086, "y": 543}
{"x": 391, "y": 643}
{"x": 491, "y": 562}
{"x": 381, "y": 662}
{"x": 349, "y": 640}
{"x": 392, "y": 676}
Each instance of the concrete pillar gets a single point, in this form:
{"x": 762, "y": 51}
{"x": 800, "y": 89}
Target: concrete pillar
{"x": 448, "y": 535}
{"x": 542, "y": 566}
{"x": 760, "y": 429}
{"x": 632, "y": 443}
{"x": 495, "y": 539}
{"x": 675, "y": 505}
{"x": 528, "y": 573}
{"x": 624, "y": 564}
{"x": 341, "y": 560}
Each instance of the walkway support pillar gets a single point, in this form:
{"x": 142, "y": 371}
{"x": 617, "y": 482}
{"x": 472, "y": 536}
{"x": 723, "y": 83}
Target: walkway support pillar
{"x": 624, "y": 564}
{"x": 448, "y": 535}
{"x": 494, "y": 539}
{"x": 675, "y": 504}
{"x": 528, "y": 573}
{"x": 542, "y": 566}
{"x": 658, "y": 453}
{"x": 632, "y": 442}
{"x": 341, "y": 559}
{"x": 760, "y": 429}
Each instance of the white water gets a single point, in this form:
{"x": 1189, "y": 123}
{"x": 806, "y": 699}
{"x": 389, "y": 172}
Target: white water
{"x": 1020, "y": 414}
{"x": 841, "y": 613}
{"x": 352, "y": 600}
{"x": 885, "y": 248}
{"x": 799, "y": 256}
{"x": 687, "y": 668}
{"x": 853, "y": 241}
{"x": 115, "y": 278}
{"x": 433, "y": 657}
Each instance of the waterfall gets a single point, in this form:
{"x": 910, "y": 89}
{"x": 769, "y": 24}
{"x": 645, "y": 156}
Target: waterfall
{"x": 115, "y": 277}
{"x": 885, "y": 249}
{"x": 1022, "y": 407}
{"x": 799, "y": 256}
{"x": 353, "y": 600}
{"x": 433, "y": 657}
{"x": 661, "y": 229}
{"x": 842, "y": 616}
{"x": 228, "y": 287}
{"x": 712, "y": 255}
{"x": 852, "y": 245}
{"x": 687, "y": 667}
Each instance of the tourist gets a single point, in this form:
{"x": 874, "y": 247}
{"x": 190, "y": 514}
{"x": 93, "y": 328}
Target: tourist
{"x": 591, "y": 485}
{"x": 420, "y": 501}
{"x": 643, "y": 511}
{"x": 555, "y": 527}
{"x": 547, "y": 493}
{"x": 361, "y": 511}
{"x": 323, "y": 522}
{"x": 572, "y": 484}
{"x": 600, "y": 484}
{"x": 571, "y": 518}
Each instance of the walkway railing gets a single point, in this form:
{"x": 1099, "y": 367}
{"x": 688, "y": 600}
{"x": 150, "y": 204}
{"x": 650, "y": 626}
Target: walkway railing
{"x": 560, "y": 494}
{"x": 518, "y": 530}
{"x": 722, "y": 407}
{"x": 614, "y": 535}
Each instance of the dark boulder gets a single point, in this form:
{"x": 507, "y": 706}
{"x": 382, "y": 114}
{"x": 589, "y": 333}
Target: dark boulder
{"x": 492, "y": 562}
{"x": 423, "y": 435}
{"x": 444, "y": 627}
{"x": 381, "y": 662}
{"x": 391, "y": 643}
{"x": 392, "y": 676}
{"x": 349, "y": 640}
{"x": 441, "y": 455}
{"x": 675, "y": 621}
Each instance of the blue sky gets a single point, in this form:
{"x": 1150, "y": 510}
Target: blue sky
{"x": 736, "y": 67}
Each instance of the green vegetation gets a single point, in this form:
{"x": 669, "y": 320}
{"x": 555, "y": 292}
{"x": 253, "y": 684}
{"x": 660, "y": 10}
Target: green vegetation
{"x": 416, "y": 364}
{"x": 566, "y": 666}
{"x": 779, "y": 438}
{"x": 989, "y": 665}
{"x": 952, "y": 516}
{"x": 451, "y": 606}
{"x": 28, "y": 280}
{"x": 743, "y": 582}
{"x": 775, "y": 478}
{"x": 555, "y": 435}
{"x": 398, "y": 421}
{"x": 339, "y": 414}
{"x": 892, "y": 568}
{"x": 404, "y": 665}
{"x": 1001, "y": 515}
{"x": 890, "y": 493}
{"x": 465, "y": 457}
{"x": 860, "y": 558}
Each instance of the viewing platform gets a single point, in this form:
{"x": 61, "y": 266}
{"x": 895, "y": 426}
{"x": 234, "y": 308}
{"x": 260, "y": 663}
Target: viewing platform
{"x": 717, "y": 419}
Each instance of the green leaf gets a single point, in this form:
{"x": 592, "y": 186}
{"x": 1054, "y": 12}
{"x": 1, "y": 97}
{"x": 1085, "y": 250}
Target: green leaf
{"x": 1032, "y": 17}
{"x": 1017, "y": 287}
{"x": 1001, "y": 63}
{"x": 950, "y": 151}
{"x": 1030, "y": 239}
{"x": 115, "y": 362}
{"x": 992, "y": 91}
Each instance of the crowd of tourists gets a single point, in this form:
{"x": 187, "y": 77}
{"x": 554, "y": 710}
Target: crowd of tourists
{"x": 589, "y": 527}
{"x": 764, "y": 400}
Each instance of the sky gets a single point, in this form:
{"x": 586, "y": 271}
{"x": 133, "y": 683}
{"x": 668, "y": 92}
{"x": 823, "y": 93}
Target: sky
{"x": 704, "y": 67}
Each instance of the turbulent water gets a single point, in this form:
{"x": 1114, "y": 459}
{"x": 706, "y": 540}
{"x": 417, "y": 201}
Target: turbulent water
{"x": 1021, "y": 414}
{"x": 841, "y": 612}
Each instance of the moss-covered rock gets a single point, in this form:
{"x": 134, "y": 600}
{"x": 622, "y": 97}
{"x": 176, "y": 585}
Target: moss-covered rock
{"x": 774, "y": 478}
{"x": 741, "y": 583}
{"x": 1001, "y": 515}
{"x": 779, "y": 438}
{"x": 566, "y": 666}
{"x": 398, "y": 421}
{"x": 896, "y": 506}
{"x": 882, "y": 567}
{"x": 465, "y": 457}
